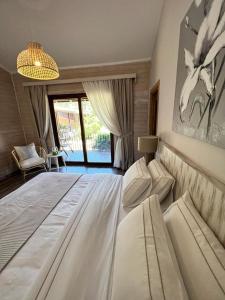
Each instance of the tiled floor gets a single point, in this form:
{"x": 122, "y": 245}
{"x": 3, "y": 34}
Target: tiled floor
{"x": 15, "y": 181}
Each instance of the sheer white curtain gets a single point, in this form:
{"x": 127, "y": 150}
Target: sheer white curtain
{"x": 100, "y": 94}
{"x": 112, "y": 101}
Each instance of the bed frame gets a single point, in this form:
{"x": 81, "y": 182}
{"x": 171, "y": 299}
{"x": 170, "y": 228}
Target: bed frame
{"x": 187, "y": 173}
{"x": 207, "y": 192}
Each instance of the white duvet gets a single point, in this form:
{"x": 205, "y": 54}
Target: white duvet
{"x": 70, "y": 255}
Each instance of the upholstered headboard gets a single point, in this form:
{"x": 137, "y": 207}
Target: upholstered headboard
{"x": 207, "y": 193}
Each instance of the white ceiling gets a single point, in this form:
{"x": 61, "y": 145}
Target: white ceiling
{"x": 79, "y": 32}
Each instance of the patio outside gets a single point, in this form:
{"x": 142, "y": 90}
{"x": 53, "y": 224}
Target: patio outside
{"x": 97, "y": 137}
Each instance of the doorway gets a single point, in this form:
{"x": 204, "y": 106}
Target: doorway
{"x": 78, "y": 132}
{"x": 153, "y": 109}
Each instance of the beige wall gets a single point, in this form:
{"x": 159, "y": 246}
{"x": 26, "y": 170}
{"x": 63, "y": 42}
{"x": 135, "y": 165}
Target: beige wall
{"x": 164, "y": 65}
{"x": 141, "y": 94}
{"x": 11, "y": 132}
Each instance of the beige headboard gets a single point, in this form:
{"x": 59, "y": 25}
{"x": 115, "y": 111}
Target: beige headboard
{"x": 207, "y": 193}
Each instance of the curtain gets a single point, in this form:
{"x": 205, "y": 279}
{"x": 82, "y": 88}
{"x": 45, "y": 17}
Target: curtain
{"x": 39, "y": 102}
{"x": 112, "y": 102}
{"x": 124, "y": 103}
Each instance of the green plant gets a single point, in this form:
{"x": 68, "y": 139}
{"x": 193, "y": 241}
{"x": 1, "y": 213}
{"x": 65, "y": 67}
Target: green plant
{"x": 92, "y": 125}
{"x": 102, "y": 142}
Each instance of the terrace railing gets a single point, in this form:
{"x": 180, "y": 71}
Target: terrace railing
{"x": 70, "y": 140}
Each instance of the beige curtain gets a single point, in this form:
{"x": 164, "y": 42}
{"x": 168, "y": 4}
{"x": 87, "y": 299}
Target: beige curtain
{"x": 106, "y": 97}
{"x": 124, "y": 103}
{"x": 39, "y": 102}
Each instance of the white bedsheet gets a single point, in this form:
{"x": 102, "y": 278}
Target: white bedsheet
{"x": 70, "y": 255}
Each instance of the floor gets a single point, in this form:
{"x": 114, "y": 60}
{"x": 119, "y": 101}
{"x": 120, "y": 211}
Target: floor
{"x": 15, "y": 181}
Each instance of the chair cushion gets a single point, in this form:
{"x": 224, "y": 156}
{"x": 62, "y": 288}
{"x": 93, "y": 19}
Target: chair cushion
{"x": 136, "y": 184}
{"x": 32, "y": 162}
{"x": 200, "y": 254}
{"x": 144, "y": 266}
{"x": 26, "y": 152}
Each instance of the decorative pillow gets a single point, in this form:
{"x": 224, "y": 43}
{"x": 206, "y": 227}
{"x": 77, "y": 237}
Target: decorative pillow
{"x": 144, "y": 265}
{"x": 162, "y": 181}
{"x": 136, "y": 184}
{"x": 200, "y": 254}
{"x": 26, "y": 152}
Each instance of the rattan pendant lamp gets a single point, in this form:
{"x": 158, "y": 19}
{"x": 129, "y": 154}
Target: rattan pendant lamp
{"x": 36, "y": 64}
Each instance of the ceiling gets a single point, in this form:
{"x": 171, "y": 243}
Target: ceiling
{"x": 79, "y": 32}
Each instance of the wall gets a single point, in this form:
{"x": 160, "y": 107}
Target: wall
{"x": 11, "y": 132}
{"x": 164, "y": 65}
{"x": 141, "y": 94}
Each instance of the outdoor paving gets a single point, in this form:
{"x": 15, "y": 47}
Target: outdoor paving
{"x": 93, "y": 156}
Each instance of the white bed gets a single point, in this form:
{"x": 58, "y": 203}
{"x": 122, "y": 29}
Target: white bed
{"x": 71, "y": 254}
{"x": 72, "y": 250}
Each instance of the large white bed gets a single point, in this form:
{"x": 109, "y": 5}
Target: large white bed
{"x": 85, "y": 245}
{"x": 71, "y": 252}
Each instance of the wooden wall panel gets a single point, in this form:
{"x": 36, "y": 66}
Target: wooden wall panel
{"x": 11, "y": 132}
{"x": 141, "y": 94}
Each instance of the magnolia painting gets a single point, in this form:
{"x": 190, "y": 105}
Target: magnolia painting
{"x": 199, "y": 109}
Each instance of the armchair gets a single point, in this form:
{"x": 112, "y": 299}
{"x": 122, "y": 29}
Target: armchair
{"x": 33, "y": 162}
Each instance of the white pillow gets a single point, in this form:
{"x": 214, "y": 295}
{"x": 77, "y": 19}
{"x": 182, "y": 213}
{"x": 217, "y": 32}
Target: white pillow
{"x": 200, "y": 254}
{"x": 162, "y": 180}
{"x": 144, "y": 266}
{"x": 26, "y": 152}
{"x": 136, "y": 184}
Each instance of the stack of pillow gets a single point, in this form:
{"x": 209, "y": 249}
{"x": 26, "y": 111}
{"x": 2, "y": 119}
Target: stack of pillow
{"x": 176, "y": 255}
{"x": 141, "y": 181}
{"x": 145, "y": 266}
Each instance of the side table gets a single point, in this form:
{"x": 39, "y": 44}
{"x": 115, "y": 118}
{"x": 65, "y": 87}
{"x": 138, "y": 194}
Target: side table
{"x": 51, "y": 156}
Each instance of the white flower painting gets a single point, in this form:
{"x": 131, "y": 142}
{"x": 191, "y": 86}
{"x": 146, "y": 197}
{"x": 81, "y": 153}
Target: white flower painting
{"x": 200, "y": 99}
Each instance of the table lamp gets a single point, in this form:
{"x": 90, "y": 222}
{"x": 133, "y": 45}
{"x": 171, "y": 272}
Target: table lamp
{"x": 147, "y": 145}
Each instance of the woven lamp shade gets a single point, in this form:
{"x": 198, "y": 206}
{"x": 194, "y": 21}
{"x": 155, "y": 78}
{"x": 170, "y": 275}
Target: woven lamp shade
{"x": 36, "y": 64}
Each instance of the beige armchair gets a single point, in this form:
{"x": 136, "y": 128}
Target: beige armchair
{"x": 33, "y": 162}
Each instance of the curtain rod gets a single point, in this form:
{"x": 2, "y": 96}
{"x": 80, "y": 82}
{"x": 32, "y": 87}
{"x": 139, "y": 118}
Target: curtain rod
{"x": 82, "y": 79}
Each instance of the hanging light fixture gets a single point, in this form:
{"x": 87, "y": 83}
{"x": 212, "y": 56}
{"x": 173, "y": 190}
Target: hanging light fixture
{"x": 36, "y": 64}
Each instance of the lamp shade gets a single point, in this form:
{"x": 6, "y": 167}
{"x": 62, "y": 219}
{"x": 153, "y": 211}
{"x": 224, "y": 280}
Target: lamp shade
{"x": 36, "y": 64}
{"x": 147, "y": 144}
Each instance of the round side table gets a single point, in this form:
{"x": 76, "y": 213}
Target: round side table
{"x": 51, "y": 156}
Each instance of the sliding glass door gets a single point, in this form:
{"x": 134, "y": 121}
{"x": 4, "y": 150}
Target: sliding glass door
{"x": 78, "y": 132}
{"x": 97, "y": 137}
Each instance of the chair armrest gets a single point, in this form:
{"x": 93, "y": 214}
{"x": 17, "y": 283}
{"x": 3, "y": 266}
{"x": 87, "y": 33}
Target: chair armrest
{"x": 16, "y": 159}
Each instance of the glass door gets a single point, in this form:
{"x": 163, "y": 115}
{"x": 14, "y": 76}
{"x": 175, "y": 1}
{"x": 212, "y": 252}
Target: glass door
{"x": 97, "y": 136}
{"x": 78, "y": 132}
{"x": 67, "y": 118}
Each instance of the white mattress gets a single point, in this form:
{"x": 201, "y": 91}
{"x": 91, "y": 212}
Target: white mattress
{"x": 27, "y": 275}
